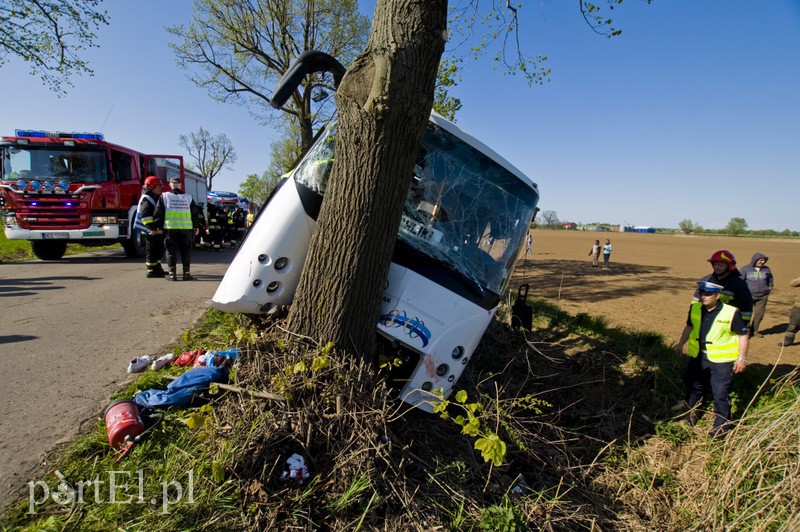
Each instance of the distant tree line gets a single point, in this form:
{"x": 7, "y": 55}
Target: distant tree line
{"x": 736, "y": 227}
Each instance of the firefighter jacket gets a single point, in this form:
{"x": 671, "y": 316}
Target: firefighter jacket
{"x": 176, "y": 212}
{"x": 721, "y": 343}
{"x": 145, "y": 211}
{"x": 735, "y": 292}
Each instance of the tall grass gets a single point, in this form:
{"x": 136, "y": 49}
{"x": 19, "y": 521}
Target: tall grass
{"x": 584, "y": 408}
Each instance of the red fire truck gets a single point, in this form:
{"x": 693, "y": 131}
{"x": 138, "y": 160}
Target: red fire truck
{"x": 57, "y": 188}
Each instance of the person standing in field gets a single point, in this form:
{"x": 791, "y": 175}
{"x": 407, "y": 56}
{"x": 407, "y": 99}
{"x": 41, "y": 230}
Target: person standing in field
{"x": 595, "y": 253}
{"x": 735, "y": 291}
{"x": 717, "y": 344}
{"x": 794, "y": 318}
{"x": 606, "y": 253}
{"x": 759, "y": 281}
{"x": 528, "y": 244}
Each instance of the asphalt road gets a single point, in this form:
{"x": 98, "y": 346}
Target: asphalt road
{"x": 67, "y": 332}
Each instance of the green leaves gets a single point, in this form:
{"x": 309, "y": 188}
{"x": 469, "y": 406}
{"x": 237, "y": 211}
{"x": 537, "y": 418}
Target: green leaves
{"x": 48, "y": 35}
{"x": 492, "y": 448}
{"x": 490, "y": 445}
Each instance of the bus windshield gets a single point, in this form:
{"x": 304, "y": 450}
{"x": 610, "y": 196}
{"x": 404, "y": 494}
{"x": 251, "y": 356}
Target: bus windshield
{"x": 463, "y": 209}
{"x": 76, "y": 166}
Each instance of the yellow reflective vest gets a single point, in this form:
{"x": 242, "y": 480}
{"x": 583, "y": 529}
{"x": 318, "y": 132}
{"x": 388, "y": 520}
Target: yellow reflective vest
{"x": 722, "y": 344}
{"x": 177, "y": 211}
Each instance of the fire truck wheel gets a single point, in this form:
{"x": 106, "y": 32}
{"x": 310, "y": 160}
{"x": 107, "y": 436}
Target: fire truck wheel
{"x": 135, "y": 246}
{"x": 48, "y": 250}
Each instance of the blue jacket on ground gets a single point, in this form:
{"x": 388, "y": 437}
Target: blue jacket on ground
{"x": 183, "y": 390}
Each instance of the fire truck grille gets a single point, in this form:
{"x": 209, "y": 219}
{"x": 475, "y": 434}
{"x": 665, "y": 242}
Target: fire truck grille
{"x": 53, "y": 213}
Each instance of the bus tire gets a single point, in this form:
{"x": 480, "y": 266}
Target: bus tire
{"x": 135, "y": 245}
{"x": 46, "y": 250}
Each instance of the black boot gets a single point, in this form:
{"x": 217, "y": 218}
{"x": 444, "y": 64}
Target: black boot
{"x": 187, "y": 276}
{"x": 173, "y": 276}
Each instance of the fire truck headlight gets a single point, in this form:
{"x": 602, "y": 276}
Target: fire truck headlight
{"x": 36, "y": 186}
{"x": 22, "y": 185}
{"x": 10, "y": 219}
{"x": 104, "y": 219}
{"x": 63, "y": 184}
{"x": 49, "y": 186}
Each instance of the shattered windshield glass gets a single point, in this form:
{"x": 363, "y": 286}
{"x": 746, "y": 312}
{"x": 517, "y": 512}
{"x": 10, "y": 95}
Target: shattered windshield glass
{"x": 463, "y": 208}
{"x": 77, "y": 166}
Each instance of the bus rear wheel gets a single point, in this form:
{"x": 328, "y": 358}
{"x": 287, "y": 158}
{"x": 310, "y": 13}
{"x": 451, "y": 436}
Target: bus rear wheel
{"x": 46, "y": 250}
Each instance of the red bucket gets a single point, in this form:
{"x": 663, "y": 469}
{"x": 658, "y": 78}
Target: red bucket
{"x": 123, "y": 423}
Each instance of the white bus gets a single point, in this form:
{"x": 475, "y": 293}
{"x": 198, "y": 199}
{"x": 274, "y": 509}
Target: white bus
{"x": 466, "y": 216}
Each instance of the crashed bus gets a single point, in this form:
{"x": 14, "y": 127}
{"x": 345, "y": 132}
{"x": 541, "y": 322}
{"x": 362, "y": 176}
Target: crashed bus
{"x": 466, "y": 215}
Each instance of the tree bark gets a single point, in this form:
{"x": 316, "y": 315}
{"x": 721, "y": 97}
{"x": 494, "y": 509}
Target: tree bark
{"x": 384, "y": 102}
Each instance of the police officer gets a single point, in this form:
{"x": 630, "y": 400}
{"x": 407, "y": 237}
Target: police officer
{"x": 718, "y": 341}
{"x": 154, "y": 237}
{"x": 734, "y": 288}
{"x": 176, "y": 213}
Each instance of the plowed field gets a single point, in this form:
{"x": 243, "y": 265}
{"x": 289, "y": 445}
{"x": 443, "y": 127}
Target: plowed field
{"x": 651, "y": 280}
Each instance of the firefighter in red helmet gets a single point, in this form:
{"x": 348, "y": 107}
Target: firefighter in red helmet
{"x": 734, "y": 289}
{"x": 154, "y": 237}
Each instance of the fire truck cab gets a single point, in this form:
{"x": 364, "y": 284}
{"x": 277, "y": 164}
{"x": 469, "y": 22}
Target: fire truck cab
{"x": 58, "y": 188}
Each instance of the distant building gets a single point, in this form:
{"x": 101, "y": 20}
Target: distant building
{"x": 644, "y": 229}
{"x": 569, "y": 225}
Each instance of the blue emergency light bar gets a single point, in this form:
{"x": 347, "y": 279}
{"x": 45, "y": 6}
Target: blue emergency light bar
{"x": 57, "y": 135}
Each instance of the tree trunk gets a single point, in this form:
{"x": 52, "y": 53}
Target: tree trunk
{"x": 384, "y": 102}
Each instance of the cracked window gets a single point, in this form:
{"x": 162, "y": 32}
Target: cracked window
{"x": 463, "y": 208}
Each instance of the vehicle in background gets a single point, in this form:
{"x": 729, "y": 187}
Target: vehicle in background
{"x": 60, "y": 187}
{"x": 222, "y": 198}
{"x": 466, "y": 215}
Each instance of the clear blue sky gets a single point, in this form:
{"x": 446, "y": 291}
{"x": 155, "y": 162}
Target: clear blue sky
{"x": 693, "y": 112}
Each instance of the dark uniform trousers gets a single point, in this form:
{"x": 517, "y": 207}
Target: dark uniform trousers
{"x": 702, "y": 373}
{"x": 154, "y": 250}
{"x": 179, "y": 241}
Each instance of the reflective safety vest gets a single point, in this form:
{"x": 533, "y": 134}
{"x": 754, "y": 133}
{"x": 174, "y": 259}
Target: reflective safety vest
{"x": 722, "y": 344}
{"x": 140, "y": 223}
{"x": 177, "y": 211}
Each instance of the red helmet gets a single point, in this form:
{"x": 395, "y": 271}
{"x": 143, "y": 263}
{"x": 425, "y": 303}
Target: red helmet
{"x": 725, "y": 256}
{"x": 151, "y": 182}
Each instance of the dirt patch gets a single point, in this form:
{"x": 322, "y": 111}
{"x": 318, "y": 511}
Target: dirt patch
{"x": 651, "y": 280}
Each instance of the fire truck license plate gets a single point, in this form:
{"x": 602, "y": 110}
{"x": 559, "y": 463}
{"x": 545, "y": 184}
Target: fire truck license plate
{"x": 55, "y": 235}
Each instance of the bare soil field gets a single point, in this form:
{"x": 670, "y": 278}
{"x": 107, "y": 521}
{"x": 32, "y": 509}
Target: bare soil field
{"x": 651, "y": 280}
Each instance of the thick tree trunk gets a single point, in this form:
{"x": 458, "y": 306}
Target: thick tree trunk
{"x": 384, "y": 102}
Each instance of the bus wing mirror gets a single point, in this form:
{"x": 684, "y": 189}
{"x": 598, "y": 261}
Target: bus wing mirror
{"x": 309, "y": 62}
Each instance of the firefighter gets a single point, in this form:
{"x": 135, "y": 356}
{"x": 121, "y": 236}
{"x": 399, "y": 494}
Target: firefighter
{"x": 202, "y": 236}
{"x": 734, "y": 289}
{"x": 176, "y": 213}
{"x": 154, "y": 238}
{"x": 718, "y": 342}
{"x": 230, "y": 226}
{"x": 216, "y": 228}
{"x": 237, "y": 216}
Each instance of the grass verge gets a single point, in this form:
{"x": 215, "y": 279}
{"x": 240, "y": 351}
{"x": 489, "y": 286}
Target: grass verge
{"x": 584, "y": 410}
